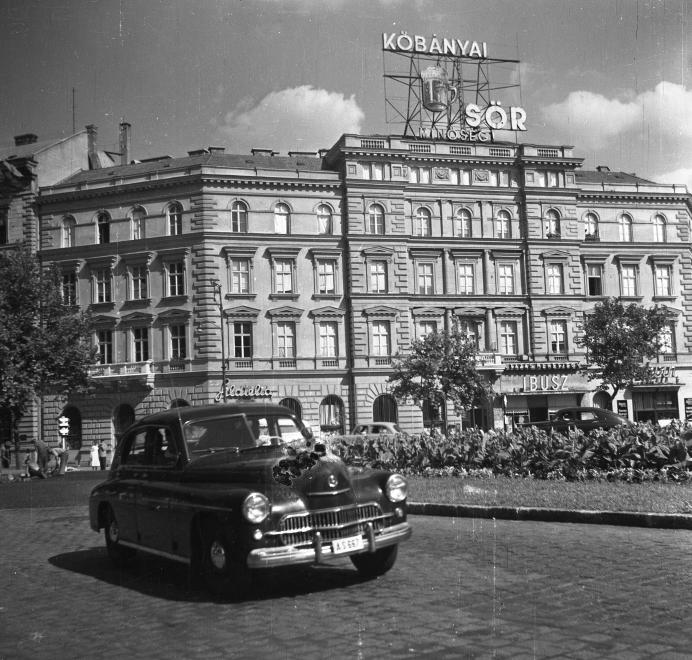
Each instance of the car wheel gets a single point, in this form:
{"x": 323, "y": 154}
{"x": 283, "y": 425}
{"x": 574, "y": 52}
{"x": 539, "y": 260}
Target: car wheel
{"x": 223, "y": 572}
{"x": 376, "y": 563}
{"x": 119, "y": 554}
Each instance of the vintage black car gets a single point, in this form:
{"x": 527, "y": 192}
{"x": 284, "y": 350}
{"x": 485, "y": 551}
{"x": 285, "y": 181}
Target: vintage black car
{"x": 583, "y": 418}
{"x": 229, "y": 489}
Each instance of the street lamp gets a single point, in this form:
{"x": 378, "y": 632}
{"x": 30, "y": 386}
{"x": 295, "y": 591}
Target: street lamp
{"x": 217, "y": 289}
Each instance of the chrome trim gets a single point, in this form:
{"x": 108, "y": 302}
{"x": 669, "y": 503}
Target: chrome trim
{"x": 321, "y": 552}
{"x": 151, "y": 551}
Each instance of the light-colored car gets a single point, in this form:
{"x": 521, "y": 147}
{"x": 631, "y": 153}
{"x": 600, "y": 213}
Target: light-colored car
{"x": 374, "y": 428}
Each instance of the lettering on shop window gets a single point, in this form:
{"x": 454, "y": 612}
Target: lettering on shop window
{"x": 544, "y": 383}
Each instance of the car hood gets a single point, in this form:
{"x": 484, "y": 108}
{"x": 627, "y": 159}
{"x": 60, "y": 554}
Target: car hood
{"x": 320, "y": 479}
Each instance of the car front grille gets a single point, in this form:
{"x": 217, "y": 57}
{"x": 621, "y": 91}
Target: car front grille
{"x": 298, "y": 529}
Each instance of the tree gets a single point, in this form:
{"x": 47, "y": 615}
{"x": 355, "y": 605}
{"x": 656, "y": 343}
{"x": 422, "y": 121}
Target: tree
{"x": 618, "y": 339}
{"x": 44, "y": 344}
{"x": 440, "y": 367}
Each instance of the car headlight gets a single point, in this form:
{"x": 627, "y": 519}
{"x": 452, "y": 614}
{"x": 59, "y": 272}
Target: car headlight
{"x": 396, "y": 488}
{"x": 255, "y": 508}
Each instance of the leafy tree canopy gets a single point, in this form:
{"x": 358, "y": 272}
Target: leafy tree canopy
{"x": 619, "y": 339}
{"x": 44, "y": 345}
{"x": 440, "y": 367}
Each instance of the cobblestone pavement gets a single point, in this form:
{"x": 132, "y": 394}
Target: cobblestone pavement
{"x": 461, "y": 588}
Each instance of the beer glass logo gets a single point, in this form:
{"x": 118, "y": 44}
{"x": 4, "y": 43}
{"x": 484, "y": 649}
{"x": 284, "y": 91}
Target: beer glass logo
{"x": 438, "y": 94}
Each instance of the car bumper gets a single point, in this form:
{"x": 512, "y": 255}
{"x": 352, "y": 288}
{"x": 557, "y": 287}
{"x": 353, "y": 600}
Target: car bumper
{"x": 321, "y": 552}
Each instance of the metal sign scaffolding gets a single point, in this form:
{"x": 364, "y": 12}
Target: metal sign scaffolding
{"x": 414, "y": 81}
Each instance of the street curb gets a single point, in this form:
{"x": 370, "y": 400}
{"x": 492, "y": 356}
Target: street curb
{"x": 631, "y": 519}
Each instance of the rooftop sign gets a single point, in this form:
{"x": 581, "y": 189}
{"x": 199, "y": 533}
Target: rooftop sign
{"x": 404, "y": 43}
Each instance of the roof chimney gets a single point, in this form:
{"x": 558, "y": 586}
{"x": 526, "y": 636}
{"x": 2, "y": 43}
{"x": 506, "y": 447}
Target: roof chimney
{"x": 91, "y": 147}
{"x": 125, "y": 142}
{"x": 25, "y": 138}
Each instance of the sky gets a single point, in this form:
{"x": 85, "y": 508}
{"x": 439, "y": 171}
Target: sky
{"x": 613, "y": 78}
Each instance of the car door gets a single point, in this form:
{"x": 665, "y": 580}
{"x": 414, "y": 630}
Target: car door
{"x": 159, "y": 472}
{"x": 123, "y": 497}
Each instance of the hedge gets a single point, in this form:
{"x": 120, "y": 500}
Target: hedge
{"x": 639, "y": 452}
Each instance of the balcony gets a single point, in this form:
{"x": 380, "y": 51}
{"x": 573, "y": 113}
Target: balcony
{"x": 141, "y": 372}
{"x": 593, "y": 237}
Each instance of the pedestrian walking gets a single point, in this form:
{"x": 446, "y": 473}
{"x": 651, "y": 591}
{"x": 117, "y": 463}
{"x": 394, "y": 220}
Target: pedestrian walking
{"x": 102, "y": 454}
{"x": 95, "y": 463}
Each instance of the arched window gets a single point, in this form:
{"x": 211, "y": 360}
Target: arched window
{"x": 103, "y": 228}
{"x": 423, "y": 222}
{"x": 462, "y": 223}
{"x": 293, "y": 405}
{"x": 239, "y": 218}
{"x": 376, "y": 220}
{"x": 602, "y": 400}
{"x": 625, "y": 228}
{"x": 68, "y": 231}
{"x": 552, "y": 224}
{"x": 660, "y": 229}
{"x": 324, "y": 219}
{"x": 502, "y": 225}
{"x": 137, "y": 216}
{"x": 174, "y": 212}
{"x": 332, "y": 415}
{"x": 590, "y": 226}
{"x": 282, "y": 215}
{"x": 384, "y": 409}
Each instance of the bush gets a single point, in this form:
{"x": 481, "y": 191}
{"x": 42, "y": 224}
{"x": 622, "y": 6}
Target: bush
{"x": 640, "y": 452}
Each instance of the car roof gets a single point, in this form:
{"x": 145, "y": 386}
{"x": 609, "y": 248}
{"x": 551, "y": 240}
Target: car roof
{"x": 190, "y": 413}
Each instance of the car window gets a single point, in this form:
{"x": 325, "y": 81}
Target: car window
{"x": 587, "y": 416}
{"x": 218, "y": 434}
{"x": 151, "y": 447}
{"x": 274, "y": 429}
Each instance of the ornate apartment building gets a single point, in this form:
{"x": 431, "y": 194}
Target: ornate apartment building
{"x": 299, "y": 277}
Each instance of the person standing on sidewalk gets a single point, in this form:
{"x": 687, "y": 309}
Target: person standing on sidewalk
{"x": 95, "y": 463}
{"x": 102, "y": 454}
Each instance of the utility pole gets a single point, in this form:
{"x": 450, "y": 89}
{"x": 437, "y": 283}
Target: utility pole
{"x": 217, "y": 290}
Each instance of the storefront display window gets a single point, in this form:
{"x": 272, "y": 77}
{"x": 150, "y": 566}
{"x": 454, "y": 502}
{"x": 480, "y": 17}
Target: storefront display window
{"x": 655, "y": 405}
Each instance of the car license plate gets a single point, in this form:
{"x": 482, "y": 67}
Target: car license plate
{"x": 340, "y": 546}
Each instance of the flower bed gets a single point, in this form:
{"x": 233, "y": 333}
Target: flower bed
{"x": 636, "y": 453}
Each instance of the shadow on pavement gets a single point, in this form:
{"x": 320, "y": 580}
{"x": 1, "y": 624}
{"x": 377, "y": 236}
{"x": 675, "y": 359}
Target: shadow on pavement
{"x": 170, "y": 580}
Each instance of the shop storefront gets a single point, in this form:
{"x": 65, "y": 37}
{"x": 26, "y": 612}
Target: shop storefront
{"x": 533, "y": 395}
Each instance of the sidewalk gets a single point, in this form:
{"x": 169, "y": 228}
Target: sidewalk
{"x": 627, "y": 518}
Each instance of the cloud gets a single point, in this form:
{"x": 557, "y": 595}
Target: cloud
{"x": 301, "y": 118}
{"x": 682, "y": 175}
{"x": 593, "y": 119}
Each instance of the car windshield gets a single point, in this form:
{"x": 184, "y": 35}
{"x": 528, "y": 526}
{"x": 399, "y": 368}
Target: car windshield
{"x": 240, "y": 432}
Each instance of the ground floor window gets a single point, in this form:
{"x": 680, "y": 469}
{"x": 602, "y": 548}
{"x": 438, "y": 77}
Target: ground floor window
{"x": 332, "y": 415}
{"x": 655, "y": 405}
{"x": 384, "y": 409}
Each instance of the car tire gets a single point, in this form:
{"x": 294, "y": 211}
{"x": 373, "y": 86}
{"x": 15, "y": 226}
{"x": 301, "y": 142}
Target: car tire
{"x": 223, "y": 573}
{"x": 119, "y": 554}
{"x": 371, "y": 565}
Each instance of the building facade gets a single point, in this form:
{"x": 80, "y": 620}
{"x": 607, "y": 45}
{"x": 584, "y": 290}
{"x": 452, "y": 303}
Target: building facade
{"x": 298, "y": 278}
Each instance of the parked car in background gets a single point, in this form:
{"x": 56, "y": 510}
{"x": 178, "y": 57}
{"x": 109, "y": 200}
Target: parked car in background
{"x": 582, "y": 418}
{"x": 373, "y": 428}
{"x": 232, "y": 489}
